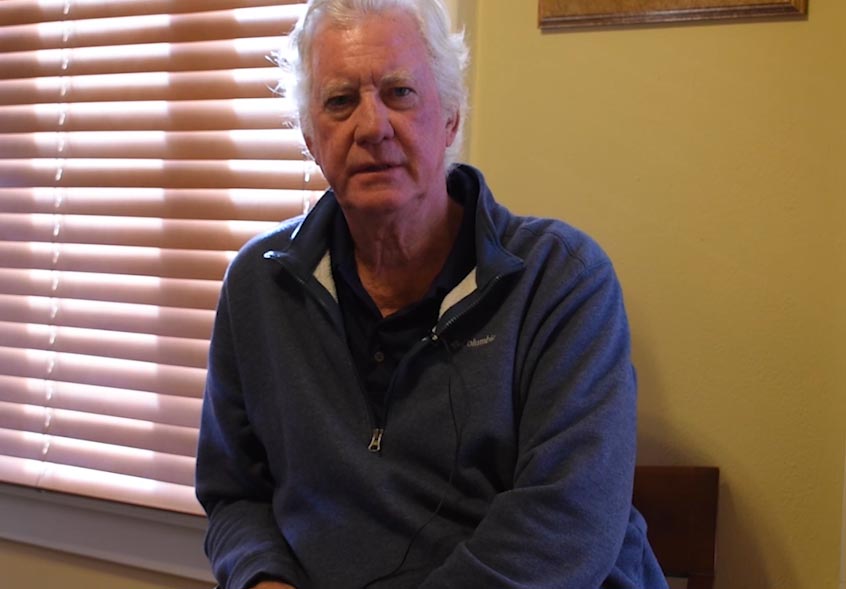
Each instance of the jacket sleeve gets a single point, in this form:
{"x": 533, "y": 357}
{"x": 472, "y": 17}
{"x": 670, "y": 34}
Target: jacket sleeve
{"x": 233, "y": 482}
{"x": 563, "y": 522}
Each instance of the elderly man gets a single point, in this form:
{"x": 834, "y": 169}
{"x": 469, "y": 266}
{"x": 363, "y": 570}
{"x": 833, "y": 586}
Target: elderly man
{"x": 410, "y": 386}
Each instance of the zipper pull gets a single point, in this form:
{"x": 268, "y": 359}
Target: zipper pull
{"x": 376, "y": 440}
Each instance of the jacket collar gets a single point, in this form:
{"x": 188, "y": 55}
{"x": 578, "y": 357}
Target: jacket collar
{"x": 307, "y": 252}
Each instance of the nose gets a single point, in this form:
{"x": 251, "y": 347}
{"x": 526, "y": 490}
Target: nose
{"x": 373, "y": 124}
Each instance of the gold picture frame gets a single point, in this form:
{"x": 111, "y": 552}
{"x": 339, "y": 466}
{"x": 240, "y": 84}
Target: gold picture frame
{"x": 568, "y": 14}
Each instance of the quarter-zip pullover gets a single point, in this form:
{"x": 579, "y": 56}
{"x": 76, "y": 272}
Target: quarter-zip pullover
{"x": 508, "y": 454}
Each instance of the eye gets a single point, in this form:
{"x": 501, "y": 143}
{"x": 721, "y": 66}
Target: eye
{"x": 339, "y": 102}
{"x": 400, "y": 96}
{"x": 402, "y": 91}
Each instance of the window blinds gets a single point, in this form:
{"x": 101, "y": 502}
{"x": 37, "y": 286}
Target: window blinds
{"x": 140, "y": 146}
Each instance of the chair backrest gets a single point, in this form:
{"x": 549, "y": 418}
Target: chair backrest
{"x": 679, "y": 504}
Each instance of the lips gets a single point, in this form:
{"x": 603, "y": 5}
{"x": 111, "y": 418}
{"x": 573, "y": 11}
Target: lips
{"x": 372, "y": 168}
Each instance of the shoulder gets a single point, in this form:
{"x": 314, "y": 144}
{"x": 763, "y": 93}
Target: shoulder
{"x": 252, "y": 253}
{"x": 553, "y": 243}
{"x": 530, "y": 238}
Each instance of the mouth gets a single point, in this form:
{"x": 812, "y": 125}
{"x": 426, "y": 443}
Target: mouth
{"x": 372, "y": 168}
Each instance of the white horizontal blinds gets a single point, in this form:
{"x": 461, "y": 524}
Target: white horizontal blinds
{"x": 140, "y": 146}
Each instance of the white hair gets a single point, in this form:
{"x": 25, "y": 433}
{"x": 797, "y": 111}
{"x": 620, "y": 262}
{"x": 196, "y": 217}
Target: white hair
{"x": 448, "y": 53}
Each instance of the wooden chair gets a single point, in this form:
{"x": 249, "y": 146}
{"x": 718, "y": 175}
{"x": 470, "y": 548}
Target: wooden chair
{"x": 679, "y": 504}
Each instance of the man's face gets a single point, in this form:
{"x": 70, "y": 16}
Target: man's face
{"x": 378, "y": 127}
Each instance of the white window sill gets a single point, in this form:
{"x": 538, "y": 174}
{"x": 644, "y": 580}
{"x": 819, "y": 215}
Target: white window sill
{"x": 150, "y": 539}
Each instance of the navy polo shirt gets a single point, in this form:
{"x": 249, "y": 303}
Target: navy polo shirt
{"x": 378, "y": 343}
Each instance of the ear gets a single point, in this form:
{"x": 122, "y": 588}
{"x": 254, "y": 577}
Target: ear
{"x": 452, "y": 127}
{"x": 310, "y": 145}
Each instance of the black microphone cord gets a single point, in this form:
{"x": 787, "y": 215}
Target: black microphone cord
{"x": 453, "y": 469}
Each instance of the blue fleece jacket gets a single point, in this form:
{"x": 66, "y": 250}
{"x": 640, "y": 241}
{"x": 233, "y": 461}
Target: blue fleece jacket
{"x": 507, "y": 454}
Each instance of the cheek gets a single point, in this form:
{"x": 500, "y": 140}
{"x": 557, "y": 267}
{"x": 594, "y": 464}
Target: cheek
{"x": 322, "y": 150}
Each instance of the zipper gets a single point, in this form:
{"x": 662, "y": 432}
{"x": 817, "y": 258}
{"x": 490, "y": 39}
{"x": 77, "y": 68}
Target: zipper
{"x": 377, "y": 433}
{"x": 376, "y": 440}
{"x": 436, "y": 333}
{"x": 377, "y": 430}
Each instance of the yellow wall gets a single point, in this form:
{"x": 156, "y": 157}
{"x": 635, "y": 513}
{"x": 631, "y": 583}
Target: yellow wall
{"x": 709, "y": 161}
{"x": 27, "y": 567}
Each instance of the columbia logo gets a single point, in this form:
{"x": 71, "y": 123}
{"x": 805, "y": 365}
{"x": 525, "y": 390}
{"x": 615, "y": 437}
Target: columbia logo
{"x": 477, "y": 342}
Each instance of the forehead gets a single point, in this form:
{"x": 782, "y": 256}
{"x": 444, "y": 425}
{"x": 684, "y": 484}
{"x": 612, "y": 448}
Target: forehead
{"x": 369, "y": 49}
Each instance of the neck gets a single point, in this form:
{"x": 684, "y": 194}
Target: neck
{"x": 399, "y": 256}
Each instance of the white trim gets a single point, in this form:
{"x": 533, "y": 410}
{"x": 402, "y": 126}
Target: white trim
{"x": 151, "y": 539}
{"x": 467, "y": 285}
{"x": 323, "y": 275}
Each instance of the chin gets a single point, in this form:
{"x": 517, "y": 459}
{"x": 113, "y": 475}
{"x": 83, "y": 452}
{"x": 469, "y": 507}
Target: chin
{"x": 376, "y": 202}
{"x": 380, "y": 198}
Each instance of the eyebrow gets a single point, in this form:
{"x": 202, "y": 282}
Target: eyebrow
{"x": 333, "y": 87}
{"x": 340, "y": 86}
{"x": 399, "y": 77}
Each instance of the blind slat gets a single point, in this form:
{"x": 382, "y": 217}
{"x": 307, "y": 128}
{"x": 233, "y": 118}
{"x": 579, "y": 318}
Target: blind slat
{"x": 103, "y": 372}
{"x": 129, "y": 231}
{"x": 156, "y": 173}
{"x": 184, "y": 115}
{"x": 121, "y": 317}
{"x": 105, "y": 429}
{"x": 155, "y": 466}
{"x": 119, "y": 288}
{"x": 140, "y": 490}
{"x": 19, "y": 471}
{"x": 23, "y": 418}
{"x": 108, "y": 344}
{"x": 16, "y": 12}
{"x": 132, "y": 404}
{"x": 217, "y": 85}
{"x": 201, "y": 265}
{"x": 192, "y": 203}
{"x": 258, "y": 144}
{"x": 22, "y": 445}
{"x": 149, "y": 57}
{"x": 152, "y": 28}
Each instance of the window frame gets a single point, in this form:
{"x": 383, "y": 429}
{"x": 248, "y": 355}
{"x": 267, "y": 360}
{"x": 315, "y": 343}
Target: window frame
{"x": 157, "y": 540}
